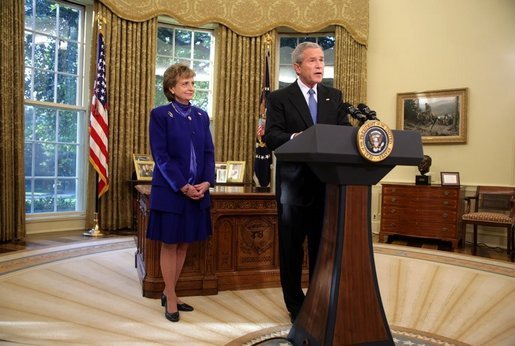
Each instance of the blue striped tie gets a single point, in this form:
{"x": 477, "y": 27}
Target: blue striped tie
{"x": 312, "y": 103}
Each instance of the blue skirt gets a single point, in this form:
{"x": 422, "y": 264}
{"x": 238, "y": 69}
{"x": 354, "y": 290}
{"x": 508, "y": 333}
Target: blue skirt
{"x": 194, "y": 224}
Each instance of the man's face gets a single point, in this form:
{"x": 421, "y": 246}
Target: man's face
{"x": 311, "y": 69}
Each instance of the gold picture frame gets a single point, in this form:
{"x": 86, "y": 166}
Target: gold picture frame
{"x": 144, "y": 166}
{"x": 439, "y": 115}
{"x": 235, "y": 171}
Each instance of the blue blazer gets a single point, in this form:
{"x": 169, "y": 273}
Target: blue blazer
{"x": 171, "y": 137}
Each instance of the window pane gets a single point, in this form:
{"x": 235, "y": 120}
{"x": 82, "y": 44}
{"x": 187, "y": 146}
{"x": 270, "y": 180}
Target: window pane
{"x": 29, "y": 17}
{"x": 28, "y": 195}
{"x": 69, "y": 21}
{"x": 68, "y": 57}
{"x": 66, "y": 160}
{"x": 162, "y": 64}
{"x": 29, "y": 123}
{"x": 67, "y": 127}
{"x": 43, "y": 86}
{"x": 44, "y": 165}
{"x": 43, "y": 195}
{"x": 202, "y": 46}
{"x": 28, "y": 48}
{"x": 183, "y": 43}
{"x": 29, "y": 83}
{"x": 46, "y": 17}
{"x": 27, "y": 149}
{"x": 201, "y": 99}
{"x": 45, "y": 124}
{"x": 165, "y": 41}
{"x": 202, "y": 70}
{"x": 66, "y": 195}
{"x": 66, "y": 89}
{"x": 44, "y": 52}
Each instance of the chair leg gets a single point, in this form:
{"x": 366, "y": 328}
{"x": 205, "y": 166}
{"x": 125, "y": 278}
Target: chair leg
{"x": 474, "y": 245}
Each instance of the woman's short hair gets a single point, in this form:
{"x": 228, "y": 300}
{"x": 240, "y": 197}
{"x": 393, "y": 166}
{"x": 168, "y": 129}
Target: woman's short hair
{"x": 298, "y": 53}
{"x": 172, "y": 76}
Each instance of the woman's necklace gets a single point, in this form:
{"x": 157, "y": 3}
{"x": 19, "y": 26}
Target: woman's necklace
{"x": 180, "y": 111}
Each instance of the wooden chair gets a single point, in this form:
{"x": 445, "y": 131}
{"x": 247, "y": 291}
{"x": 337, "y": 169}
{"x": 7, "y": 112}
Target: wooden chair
{"x": 492, "y": 206}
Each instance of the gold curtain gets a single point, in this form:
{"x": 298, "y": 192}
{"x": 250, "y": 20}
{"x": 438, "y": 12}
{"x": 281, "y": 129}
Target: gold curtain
{"x": 239, "y": 77}
{"x": 12, "y": 177}
{"x": 130, "y": 64}
{"x": 253, "y": 17}
{"x": 350, "y": 67}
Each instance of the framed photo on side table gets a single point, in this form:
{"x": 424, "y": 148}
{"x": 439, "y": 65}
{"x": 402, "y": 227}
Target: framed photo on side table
{"x": 144, "y": 166}
{"x": 450, "y": 178}
{"x": 440, "y": 115}
{"x": 235, "y": 171}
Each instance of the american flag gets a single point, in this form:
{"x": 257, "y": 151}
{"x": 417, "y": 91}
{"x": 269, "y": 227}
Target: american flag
{"x": 98, "y": 126}
{"x": 263, "y": 158}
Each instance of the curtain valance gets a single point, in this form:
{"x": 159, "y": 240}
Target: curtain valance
{"x": 253, "y": 17}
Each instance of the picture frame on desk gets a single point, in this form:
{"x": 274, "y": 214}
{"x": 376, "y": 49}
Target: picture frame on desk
{"x": 235, "y": 171}
{"x": 221, "y": 172}
{"x": 143, "y": 166}
{"x": 439, "y": 115}
{"x": 450, "y": 178}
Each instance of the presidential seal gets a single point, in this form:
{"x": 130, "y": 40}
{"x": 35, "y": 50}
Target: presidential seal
{"x": 375, "y": 141}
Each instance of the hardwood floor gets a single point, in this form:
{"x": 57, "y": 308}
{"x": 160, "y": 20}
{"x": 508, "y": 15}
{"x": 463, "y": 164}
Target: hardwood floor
{"x": 45, "y": 240}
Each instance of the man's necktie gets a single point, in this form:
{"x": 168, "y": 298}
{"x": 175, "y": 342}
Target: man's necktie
{"x": 312, "y": 103}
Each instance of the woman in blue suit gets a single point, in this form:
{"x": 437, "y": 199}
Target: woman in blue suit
{"x": 183, "y": 152}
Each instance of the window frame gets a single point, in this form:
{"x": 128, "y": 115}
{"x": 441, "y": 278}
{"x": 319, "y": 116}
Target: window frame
{"x": 70, "y": 220}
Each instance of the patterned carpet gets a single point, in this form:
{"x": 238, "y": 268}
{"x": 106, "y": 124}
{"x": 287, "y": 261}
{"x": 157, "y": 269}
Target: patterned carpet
{"x": 89, "y": 293}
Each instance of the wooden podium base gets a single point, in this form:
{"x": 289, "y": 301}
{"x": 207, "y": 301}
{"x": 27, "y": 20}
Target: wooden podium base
{"x": 343, "y": 304}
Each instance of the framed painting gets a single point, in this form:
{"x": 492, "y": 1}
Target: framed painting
{"x": 440, "y": 116}
{"x": 235, "y": 171}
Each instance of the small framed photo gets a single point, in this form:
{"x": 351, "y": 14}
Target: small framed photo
{"x": 450, "y": 178}
{"x": 144, "y": 166}
{"x": 235, "y": 171}
{"x": 439, "y": 115}
{"x": 221, "y": 172}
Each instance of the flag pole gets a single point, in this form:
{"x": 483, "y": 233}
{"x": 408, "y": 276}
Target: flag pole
{"x": 96, "y": 231}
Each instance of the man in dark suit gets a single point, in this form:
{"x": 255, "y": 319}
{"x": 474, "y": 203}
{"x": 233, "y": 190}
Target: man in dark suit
{"x": 300, "y": 194}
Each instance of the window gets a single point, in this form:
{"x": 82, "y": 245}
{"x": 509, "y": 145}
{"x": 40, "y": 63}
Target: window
{"x": 55, "y": 114}
{"x": 288, "y": 43}
{"x": 193, "y": 47}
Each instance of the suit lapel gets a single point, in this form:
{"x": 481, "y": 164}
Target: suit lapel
{"x": 299, "y": 102}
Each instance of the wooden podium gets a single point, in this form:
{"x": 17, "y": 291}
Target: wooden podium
{"x": 343, "y": 303}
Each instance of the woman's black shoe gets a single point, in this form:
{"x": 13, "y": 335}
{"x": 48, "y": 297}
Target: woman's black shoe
{"x": 171, "y": 316}
{"x": 180, "y": 307}
{"x": 184, "y": 307}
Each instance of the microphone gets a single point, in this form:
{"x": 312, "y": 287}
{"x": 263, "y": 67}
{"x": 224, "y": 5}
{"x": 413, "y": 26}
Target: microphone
{"x": 370, "y": 114}
{"x": 355, "y": 113}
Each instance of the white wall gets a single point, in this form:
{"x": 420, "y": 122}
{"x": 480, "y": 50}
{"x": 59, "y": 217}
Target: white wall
{"x": 421, "y": 45}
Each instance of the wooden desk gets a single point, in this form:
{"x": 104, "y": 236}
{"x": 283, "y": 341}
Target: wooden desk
{"x": 426, "y": 211}
{"x": 242, "y": 253}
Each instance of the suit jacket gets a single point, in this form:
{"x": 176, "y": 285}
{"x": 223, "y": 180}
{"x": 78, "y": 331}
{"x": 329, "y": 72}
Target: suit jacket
{"x": 288, "y": 113}
{"x": 171, "y": 137}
